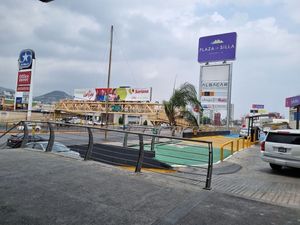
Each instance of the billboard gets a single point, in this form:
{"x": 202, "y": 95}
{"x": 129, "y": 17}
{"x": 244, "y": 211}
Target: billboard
{"x": 257, "y": 106}
{"x": 292, "y": 101}
{"x": 123, "y": 94}
{"x": 86, "y": 94}
{"x": 215, "y": 48}
{"x": 214, "y": 87}
{"x": 24, "y": 81}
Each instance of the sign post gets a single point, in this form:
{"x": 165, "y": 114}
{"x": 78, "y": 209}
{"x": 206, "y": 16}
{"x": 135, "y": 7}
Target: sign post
{"x": 216, "y": 80}
{"x": 294, "y": 102}
{"x": 26, "y": 63}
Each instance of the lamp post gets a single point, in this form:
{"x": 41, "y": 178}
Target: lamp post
{"x": 108, "y": 77}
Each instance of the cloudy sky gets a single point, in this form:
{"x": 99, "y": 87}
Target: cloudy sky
{"x": 154, "y": 41}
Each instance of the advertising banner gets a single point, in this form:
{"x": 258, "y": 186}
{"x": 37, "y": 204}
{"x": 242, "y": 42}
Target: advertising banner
{"x": 221, "y": 107}
{"x": 24, "y": 78}
{"x": 257, "y": 106}
{"x": 292, "y": 101}
{"x": 123, "y": 94}
{"x": 18, "y": 100}
{"x": 219, "y": 47}
{"x": 23, "y": 88}
{"x": 87, "y": 94}
{"x": 24, "y": 81}
{"x": 214, "y": 99}
{"x": 214, "y": 87}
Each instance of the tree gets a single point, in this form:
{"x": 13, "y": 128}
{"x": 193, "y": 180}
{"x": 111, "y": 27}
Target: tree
{"x": 177, "y": 106}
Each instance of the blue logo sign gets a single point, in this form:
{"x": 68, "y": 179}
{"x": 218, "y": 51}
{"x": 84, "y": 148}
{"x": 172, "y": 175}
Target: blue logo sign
{"x": 215, "y": 48}
{"x": 25, "y": 59}
{"x": 19, "y": 100}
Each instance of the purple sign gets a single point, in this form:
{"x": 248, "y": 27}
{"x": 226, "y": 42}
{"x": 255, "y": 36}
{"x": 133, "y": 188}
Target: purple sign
{"x": 292, "y": 101}
{"x": 219, "y": 47}
{"x": 256, "y": 106}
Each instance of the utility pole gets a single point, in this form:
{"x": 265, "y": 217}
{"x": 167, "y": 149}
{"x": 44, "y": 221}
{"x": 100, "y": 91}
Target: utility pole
{"x": 108, "y": 77}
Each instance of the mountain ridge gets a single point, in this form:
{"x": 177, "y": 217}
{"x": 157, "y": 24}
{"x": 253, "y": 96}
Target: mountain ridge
{"x": 47, "y": 98}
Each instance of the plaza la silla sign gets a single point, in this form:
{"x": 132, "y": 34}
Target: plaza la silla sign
{"x": 215, "y": 48}
{"x": 25, "y": 59}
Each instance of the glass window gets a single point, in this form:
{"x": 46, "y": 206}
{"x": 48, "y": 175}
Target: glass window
{"x": 284, "y": 138}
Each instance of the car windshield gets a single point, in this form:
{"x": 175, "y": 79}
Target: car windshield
{"x": 286, "y": 138}
{"x": 57, "y": 147}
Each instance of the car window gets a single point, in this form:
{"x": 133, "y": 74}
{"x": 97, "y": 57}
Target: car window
{"x": 30, "y": 145}
{"x": 38, "y": 146}
{"x": 59, "y": 148}
{"x": 284, "y": 138}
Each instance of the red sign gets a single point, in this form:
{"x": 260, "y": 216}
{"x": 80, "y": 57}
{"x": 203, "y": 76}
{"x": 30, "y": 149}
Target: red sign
{"x": 24, "y": 78}
{"x": 23, "y": 88}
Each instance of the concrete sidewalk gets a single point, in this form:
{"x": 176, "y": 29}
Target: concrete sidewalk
{"x": 247, "y": 176}
{"x": 43, "y": 188}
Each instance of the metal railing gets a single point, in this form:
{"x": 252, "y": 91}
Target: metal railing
{"x": 245, "y": 143}
{"x": 180, "y": 158}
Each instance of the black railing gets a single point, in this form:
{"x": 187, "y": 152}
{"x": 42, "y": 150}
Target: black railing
{"x": 182, "y": 158}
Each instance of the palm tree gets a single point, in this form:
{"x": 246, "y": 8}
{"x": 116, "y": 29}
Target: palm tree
{"x": 176, "y": 107}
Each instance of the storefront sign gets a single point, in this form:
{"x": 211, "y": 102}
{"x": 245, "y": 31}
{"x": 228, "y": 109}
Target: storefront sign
{"x": 25, "y": 59}
{"x": 292, "y": 101}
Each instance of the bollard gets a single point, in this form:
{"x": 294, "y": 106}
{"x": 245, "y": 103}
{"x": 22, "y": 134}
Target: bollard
{"x": 141, "y": 155}
{"x": 90, "y": 146}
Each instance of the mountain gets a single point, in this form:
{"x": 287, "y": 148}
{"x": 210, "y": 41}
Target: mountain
{"x": 54, "y": 96}
{"x": 7, "y": 93}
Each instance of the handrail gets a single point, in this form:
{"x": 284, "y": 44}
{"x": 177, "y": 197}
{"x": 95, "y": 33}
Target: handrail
{"x": 222, "y": 149}
{"x": 238, "y": 143}
{"x": 141, "y": 135}
{"x": 248, "y": 141}
{"x": 122, "y": 131}
{"x": 6, "y": 132}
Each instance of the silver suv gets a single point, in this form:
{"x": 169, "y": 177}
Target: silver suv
{"x": 282, "y": 148}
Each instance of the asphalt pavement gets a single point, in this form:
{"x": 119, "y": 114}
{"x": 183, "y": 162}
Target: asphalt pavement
{"x": 43, "y": 188}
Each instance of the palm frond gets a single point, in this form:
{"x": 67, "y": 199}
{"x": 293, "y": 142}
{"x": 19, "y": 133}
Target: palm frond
{"x": 190, "y": 117}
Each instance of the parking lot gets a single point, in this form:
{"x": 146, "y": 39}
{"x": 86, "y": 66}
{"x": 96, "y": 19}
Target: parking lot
{"x": 246, "y": 175}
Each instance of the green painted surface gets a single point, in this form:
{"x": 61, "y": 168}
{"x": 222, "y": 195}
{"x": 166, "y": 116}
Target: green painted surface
{"x": 182, "y": 154}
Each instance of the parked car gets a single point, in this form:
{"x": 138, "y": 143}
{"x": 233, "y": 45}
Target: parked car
{"x": 30, "y": 126}
{"x": 57, "y": 148}
{"x": 73, "y": 120}
{"x": 243, "y": 132}
{"x": 15, "y": 141}
{"x": 282, "y": 148}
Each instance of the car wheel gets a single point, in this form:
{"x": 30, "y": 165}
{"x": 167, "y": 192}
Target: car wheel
{"x": 275, "y": 167}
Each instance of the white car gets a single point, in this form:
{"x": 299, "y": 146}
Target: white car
{"x": 282, "y": 148}
{"x": 30, "y": 126}
{"x": 57, "y": 148}
{"x": 244, "y": 132}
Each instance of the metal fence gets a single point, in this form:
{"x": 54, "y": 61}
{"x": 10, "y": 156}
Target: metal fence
{"x": 133, "y": 149}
